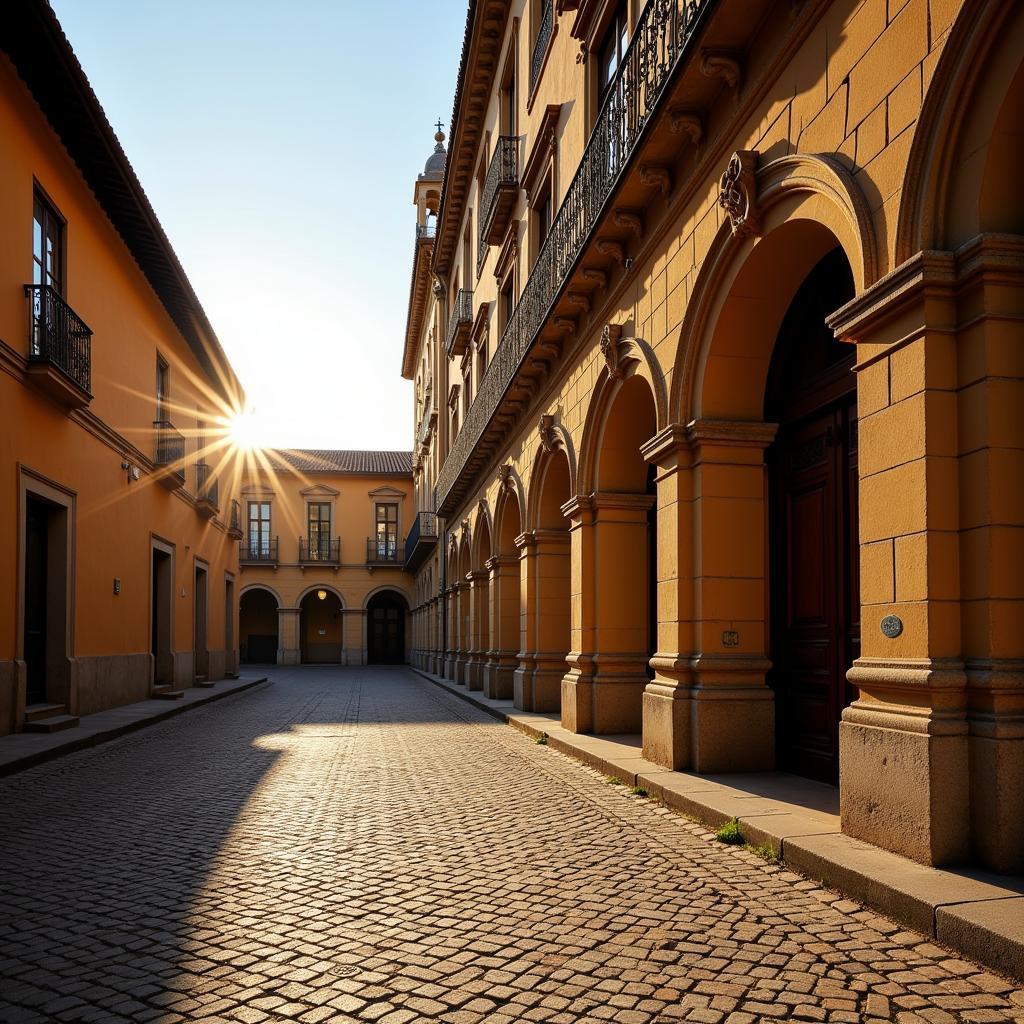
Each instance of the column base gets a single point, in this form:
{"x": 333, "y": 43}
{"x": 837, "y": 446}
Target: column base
{"x": 288, "y": 656}
{"x": 667, "y": 708}
{"x": 522, "y": 683}
{"x": 547, "y": 684}
{"x": 603, "y": 701}
{"x": 903, "y": 781}
{"x": 499, "y": 677}
{"x": 474, "y": 673}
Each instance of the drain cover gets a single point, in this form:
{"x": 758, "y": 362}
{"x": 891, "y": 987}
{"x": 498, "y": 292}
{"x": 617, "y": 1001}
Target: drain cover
{"x": 344, "y": 971}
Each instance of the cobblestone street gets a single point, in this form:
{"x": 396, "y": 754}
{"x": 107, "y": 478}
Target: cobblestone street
{"x": 358, "y": 845}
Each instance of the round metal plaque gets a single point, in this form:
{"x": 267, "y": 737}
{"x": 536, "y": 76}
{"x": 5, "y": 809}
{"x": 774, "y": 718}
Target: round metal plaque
{"x": 892, "y": 626}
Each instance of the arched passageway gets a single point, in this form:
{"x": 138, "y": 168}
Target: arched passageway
{"x": 385, "y": 628}
{"x": 479, "y": 605}
{"x": 814, "y": 616}
{"x": 546, "y": 587}
{"x": 258, "y": 627}
{"x": 320, "y": 628}
{"x": 504, "y": 592}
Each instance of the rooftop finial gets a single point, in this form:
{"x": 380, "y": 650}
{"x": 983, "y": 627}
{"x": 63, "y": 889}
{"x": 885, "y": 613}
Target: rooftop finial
{"x": 439, "y": 137}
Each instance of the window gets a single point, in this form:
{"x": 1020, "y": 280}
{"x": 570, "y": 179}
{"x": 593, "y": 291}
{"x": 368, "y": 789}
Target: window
{"x": 47, "y": 245}
{"x": 259, "y": 529}
{"x": 481, "y": 359}
{"x": 611, "y": 52}
{"x": 163, "y": 376}
{"x": 318, "y": 515}
{"x": 508, "y": 113}
{"x": 506, "y": 303}
{"x": 387, "y": 532}
{"x": 543, "y": 217}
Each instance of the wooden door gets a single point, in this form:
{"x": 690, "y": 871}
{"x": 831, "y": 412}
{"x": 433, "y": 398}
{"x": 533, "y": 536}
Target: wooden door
{"x": 36, "y": 600}
{"x": 386, "y": 633}
{"x": 815, "y": 599}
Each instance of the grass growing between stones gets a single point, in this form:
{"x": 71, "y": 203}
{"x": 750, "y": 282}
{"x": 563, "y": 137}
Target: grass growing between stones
{"x": 542, "y": 740}
{"x": 730, "y": 834}
{"x": 639, "y": 791}
{"x": 613, "y": 780}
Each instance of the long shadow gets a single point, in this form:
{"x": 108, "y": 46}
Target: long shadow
{"x": 107, "y": 856}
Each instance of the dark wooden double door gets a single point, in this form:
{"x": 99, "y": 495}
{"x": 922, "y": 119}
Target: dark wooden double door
{"x": 386, "y": 631}
{"x": 814, "y": 564}
{"x": 815, "y": 586}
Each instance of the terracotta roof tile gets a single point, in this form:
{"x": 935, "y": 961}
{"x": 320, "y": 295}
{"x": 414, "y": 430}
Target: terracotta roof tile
{"x": 334, "y": 460}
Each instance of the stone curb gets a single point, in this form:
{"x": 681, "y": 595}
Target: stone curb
{"x": 978, "y": 914}
{"x": 116, "y": 722}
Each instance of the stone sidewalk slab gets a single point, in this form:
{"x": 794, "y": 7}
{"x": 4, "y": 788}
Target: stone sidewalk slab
{"x": 22, "y": 750}
{"x": 979, "y": 914}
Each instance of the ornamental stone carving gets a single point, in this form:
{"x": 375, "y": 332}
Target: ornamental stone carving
{"x": 737, "y": 194}
{"x": 612, "y": 348}
{"x": 546, "y": 429}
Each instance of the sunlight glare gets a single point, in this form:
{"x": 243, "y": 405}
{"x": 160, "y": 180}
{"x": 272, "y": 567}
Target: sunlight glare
{"x": 245, "y": 430}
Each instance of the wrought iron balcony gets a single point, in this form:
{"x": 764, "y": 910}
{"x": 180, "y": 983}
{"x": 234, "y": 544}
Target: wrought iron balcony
{"x": 258, "y": 551}
{"x": 540, "y": 46}
{"x": 427, "y": 424}
{"x": 421, "y": 541}
{"x": 426, "y": 232}
{"x": 235, "y": 520}
{"x": 319, "y": 550}
{"x": 654, "y": 53}
{"x": 501, "y": 189}
{"x": 207, "y": 490}
{"x": 170, "y": 454}
{"x": 460, "y": 323}
{"x": 384, "y": 551}
{"x": 59, "y": 348}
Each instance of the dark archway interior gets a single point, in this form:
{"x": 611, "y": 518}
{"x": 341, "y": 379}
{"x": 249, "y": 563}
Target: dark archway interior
{"x": 257, "y": 628}
{"x": 385, "y": 628}
{"x": 320, "y": 628}
{"x": 814, "y": 619}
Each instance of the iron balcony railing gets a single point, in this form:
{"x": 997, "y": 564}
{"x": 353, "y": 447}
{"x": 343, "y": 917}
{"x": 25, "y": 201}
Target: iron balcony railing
{"x": 170, "y": 448}
{"x": 258, "y": 549}
{"x": 426, "y": 231}
{"x": 540, "y": 47}
{"x": 207, "y": 486}
{"x": 500, "y": 189}
{"x": 235, "y": 522}
{"x": 320, "y": 549}
{"x": 58, "y": 335}
{"x": 384, "y": 551}
{"x": 660, "y": 38}
{"x": 426, "y": 425}
{"x": 460, "y": 321}
{"x": 422, "y": 539}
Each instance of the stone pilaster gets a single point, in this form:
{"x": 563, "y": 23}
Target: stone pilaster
{"x": 504, "y": 619}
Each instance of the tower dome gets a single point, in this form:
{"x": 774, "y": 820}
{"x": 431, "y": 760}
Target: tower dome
{"x": 434, "y": 167}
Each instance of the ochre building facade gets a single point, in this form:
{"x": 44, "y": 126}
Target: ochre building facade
{"x": 118, "y": 559}
{"x": 322, "y": 557}
{"x": 716, "y": 332}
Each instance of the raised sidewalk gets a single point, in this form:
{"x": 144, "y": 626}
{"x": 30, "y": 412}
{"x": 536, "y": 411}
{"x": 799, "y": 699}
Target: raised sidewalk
{"x": 977, "y": 913}
{"x": 22, "y": 750}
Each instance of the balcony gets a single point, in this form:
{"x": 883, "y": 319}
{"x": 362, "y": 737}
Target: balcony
{"x": 501, "y": 189}
{"x": 59, "y": 349}
{"x": 381, "y": 551}
{"x": 320, "y": 551}
{"x": 259, "y": 552}
{"x": 636, "y": 96}
{"x": 460, "y": 323}
{"x": 540, "y": 46}
{"x": 427, "y": 425}
{"x": 207, "y": 491}
{"x": 170, "y": 455}
{"x": 426, "y": 233}
{"x": 421, "y": 541}
{"x": 235, "y": 520}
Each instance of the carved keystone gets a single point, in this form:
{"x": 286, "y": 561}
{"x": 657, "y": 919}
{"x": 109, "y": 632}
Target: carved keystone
{"x": 737, "y": 194}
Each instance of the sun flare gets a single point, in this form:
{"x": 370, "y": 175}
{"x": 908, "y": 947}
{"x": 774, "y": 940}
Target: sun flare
{"x": 245, "y": 430}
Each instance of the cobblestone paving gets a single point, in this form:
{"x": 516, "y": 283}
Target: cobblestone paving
{"x": 358, "y": 845}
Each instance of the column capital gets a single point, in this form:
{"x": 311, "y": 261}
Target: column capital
{"x": 477, "y": 576}
{"x": 730, "y": 433}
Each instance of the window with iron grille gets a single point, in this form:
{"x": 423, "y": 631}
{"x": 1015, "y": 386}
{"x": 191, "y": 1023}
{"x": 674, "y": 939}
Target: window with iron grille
{"x": 259, "y": 529}
{"x": 318, "y": 514}
{"x": 387, "y": 530}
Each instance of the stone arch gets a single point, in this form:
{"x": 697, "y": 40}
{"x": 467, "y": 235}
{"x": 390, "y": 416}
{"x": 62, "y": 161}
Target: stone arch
{"x": 607, "y": 390}
{"x": 384, "y": 587}
{"x": 561, "y": 454}
{"x": 509, "y": 514}
{"x": 808, "y": 205}
{"x": 313, "y": 588}
{"x": 261, "y": 586}
{"x": 964, "y": 146}
{"x": 482, "y": 535}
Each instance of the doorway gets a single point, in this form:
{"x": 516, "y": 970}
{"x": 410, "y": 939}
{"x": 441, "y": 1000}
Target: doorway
{"x": 37, "y": 525}
{"x": 814, "y": 556}
{"x": 160, "y": 618}
{"x": 230, "y": 668}
{"x": 320, "y": 628}
{"x": 200, "y": 645}
{"x": 385, "y": 628}
{"x": 258, "y": 627}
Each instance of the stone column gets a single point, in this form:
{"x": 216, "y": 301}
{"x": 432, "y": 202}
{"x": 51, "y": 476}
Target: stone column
{"x": 479, "y": 632}
{"x": 288, "y": 649}
{"x": 451, "y": 642}
{"x": 668, "y": 696}
{"x": 461, "y": 602}
{"x": 522, "y": 678}
{"x": 917, "y": 743}
{"x": 504, "y": 621}
{"x": 552, "y": 625}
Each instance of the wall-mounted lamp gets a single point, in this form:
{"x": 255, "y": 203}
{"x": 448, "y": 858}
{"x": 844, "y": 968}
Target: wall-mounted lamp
{"x": 322, "y": 594}
{"x": 131, "y": 470}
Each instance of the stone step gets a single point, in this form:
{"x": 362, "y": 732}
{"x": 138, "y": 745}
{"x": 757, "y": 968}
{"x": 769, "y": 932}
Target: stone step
{"x": 33, "y": 712}
{"x": 52, "y": 724}
{"x": 166, "y": 693}
{"x": 203, "y": 683}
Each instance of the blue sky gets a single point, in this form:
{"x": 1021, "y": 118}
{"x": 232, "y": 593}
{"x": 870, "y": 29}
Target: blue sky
{"x": 279, "y": 152}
